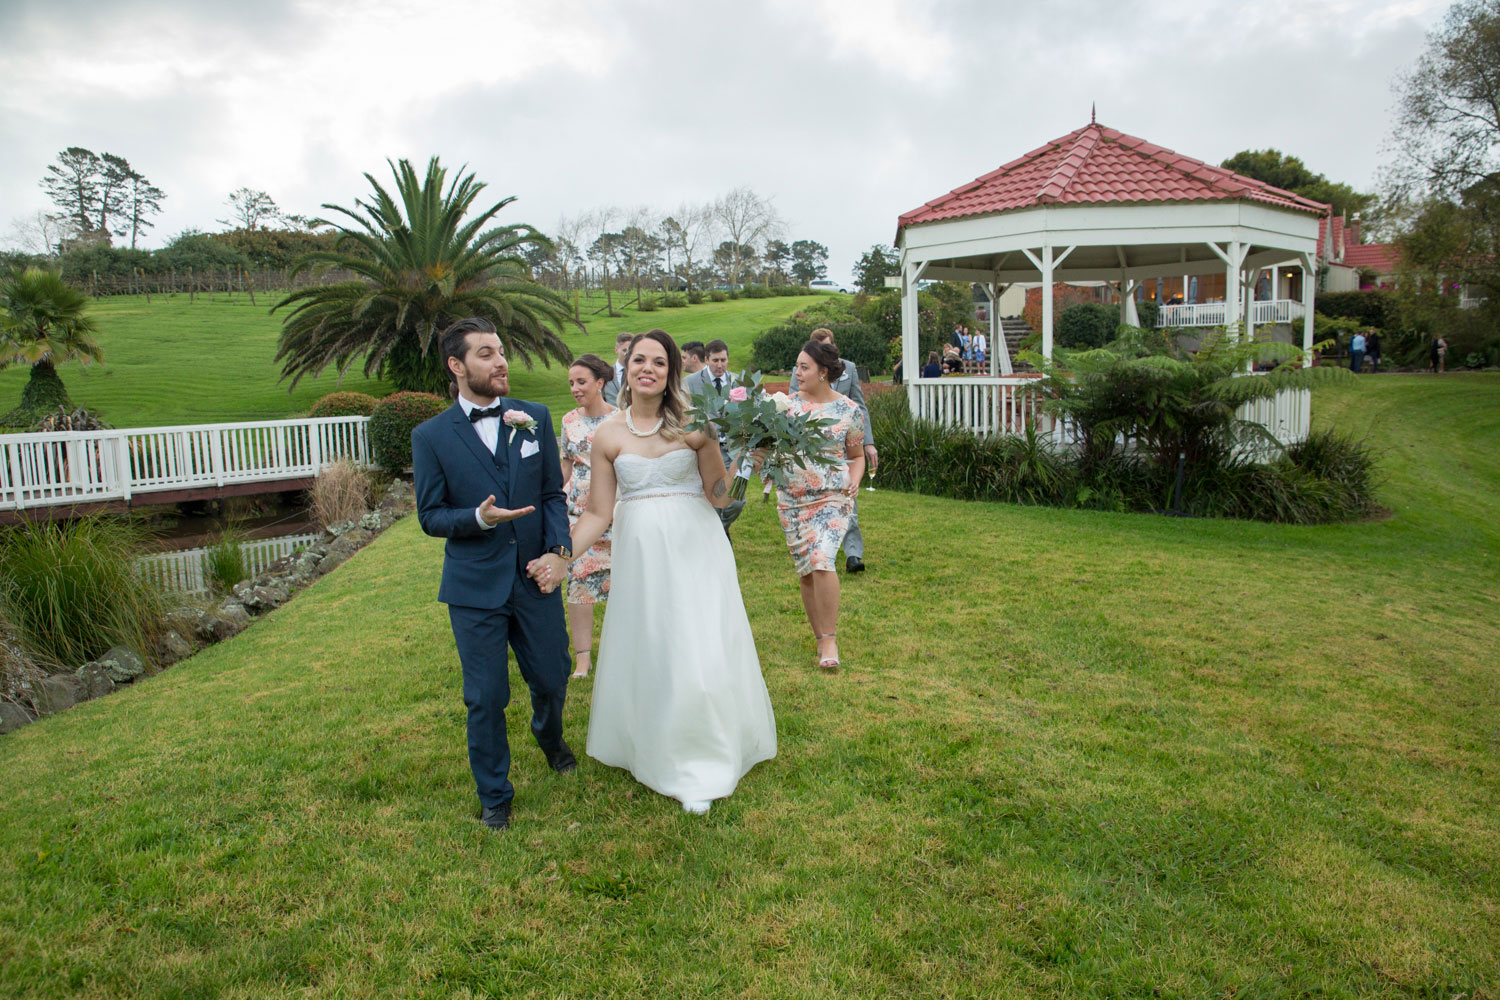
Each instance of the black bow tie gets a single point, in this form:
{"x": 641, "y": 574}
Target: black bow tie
{"x": 476, "y": 414}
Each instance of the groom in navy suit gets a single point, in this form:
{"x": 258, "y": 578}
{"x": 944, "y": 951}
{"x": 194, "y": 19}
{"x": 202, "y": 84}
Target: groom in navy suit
{"x": 488, "y": 479}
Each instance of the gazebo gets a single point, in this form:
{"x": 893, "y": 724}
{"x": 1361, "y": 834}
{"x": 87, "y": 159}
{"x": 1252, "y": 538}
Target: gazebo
{"x": 1094, "y": 206}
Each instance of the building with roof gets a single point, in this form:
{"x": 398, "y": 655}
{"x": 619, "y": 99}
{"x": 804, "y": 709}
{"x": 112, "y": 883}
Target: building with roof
{"x": 1098, "y": 205}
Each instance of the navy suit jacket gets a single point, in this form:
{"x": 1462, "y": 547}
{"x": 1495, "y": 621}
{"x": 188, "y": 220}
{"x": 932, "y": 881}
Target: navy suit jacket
{"x": 453, "y": 475}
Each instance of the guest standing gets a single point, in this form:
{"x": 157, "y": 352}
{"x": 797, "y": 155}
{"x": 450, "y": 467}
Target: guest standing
{"x": 588, "y": 580}
{"x": 1438, "y": 354}
{"x": 1372, "y": 349}
{"x": 817, "y": 503}
{"x": 1357, "y": 351}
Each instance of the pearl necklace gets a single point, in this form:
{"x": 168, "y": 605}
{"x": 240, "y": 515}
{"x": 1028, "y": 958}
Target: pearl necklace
{"x": 630, "y": 425}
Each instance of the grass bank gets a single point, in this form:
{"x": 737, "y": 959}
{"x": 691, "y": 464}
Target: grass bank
{"x": 171, "y": 361}
{"x": 1071, "y": 754}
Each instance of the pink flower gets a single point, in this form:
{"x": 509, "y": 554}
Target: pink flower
{"x": 738, "y": 394}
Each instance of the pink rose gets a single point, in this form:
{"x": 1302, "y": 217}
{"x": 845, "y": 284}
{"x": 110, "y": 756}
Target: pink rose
{"x": 738, "y": 394}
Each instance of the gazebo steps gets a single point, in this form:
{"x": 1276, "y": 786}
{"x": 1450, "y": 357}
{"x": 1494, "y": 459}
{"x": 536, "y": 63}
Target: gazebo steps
{"x": 1015, "y": 330}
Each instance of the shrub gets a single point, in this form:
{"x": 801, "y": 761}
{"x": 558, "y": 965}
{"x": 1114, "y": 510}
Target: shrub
{"x": 776, "y": 349}
{"x": 1087, "y": 324}
{"x": 734, "y": 293}
{"x": 71, "y": 592}
{"x": 756, "y": 292}
{"x": 391, "y": 424}
{"x": 1371, "y": 307}
{"x": 674, "y": 301}
{"x": 343, "y": 404}
{"x": 340, "y": 493}
{"x": 695, "y": 298}
{"x": 1149, "y": 313}
{"x": 224, "y": 560}
{"x": 718, "y": 295}
{"x": 646, "y": 305}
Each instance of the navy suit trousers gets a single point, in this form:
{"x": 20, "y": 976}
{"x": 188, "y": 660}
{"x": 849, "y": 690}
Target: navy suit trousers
{"x": 533, "y": 625}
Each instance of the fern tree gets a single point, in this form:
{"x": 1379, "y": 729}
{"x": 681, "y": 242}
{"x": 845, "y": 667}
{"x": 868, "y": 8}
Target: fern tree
{"x": 1140, "y": 389}
{"x": 43, "y": 321}
{"x": 420, "y": 267}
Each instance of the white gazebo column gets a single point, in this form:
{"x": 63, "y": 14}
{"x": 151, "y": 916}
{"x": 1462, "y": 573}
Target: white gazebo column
{"x": 1047, "y": 264}
{"x": 1307, "y": 308}
{"x": 911, "y": 360}
{"x": 1251, "y": 280}
{"x": 999, "y": 359}
{"x": 1128, "y": 314}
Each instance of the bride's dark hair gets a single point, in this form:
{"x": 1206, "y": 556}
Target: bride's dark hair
{"x": 673, "y": 403}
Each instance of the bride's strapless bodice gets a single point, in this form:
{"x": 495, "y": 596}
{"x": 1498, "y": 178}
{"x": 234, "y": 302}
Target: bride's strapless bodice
{"x": 672, "y": 474}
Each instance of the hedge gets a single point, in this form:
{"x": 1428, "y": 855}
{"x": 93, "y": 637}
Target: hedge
{"x": 391, "y": 424}
{"x": 1371, "y": 307}
{"x": 343, "y": 404}
{"x": 776, "y": 349}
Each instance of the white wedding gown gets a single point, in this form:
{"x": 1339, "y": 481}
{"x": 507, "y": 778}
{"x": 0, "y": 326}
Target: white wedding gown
{"x": 679, "y": 700}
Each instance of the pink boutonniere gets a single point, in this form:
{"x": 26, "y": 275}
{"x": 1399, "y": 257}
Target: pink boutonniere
{"x": 518, "y": 420}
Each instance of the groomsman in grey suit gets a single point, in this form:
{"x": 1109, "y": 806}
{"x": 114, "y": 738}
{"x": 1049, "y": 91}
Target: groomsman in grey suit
{"x": 848, "y": 385}
{"x": 715, "y": 378}
{"x": 612, "y": 387}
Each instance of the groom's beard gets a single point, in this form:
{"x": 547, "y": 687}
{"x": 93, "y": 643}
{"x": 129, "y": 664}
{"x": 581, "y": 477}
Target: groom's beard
{"x": 488, "y": 388}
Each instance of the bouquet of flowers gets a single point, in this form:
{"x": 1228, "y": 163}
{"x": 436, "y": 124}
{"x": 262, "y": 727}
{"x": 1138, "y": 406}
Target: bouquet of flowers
{"x": 756, "y": 425}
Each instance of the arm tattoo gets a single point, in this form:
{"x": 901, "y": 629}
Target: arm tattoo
{"x": 719, "y": 489}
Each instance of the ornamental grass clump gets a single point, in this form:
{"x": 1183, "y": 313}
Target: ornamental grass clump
{"x": 340, "y": 493}
{"x": 71, "y": 592}
{"x": 224, "y": 563}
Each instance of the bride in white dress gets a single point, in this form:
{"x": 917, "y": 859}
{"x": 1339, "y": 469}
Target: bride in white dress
{"x": 679, "y": 700}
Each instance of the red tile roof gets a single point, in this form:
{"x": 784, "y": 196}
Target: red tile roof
{"x": 1097, "y": 165}
{"x": 1378, "y": 257}
{"x": 1339, "y": 229}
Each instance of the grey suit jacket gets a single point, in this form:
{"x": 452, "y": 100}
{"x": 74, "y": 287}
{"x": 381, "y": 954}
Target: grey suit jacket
{"x": 702, "y": 381}
{"x": 848, "y": 384}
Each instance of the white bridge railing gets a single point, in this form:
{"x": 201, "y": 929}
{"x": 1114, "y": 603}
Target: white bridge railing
{"x": 1007, "y": 404}
{"x": 182, "y": 570}
{"x": 69, "y": 467}
{"x": 1206, "y": 314}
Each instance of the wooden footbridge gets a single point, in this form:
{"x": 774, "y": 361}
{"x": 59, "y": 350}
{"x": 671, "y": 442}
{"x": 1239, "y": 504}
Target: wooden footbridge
{"x": 62, "y": 473}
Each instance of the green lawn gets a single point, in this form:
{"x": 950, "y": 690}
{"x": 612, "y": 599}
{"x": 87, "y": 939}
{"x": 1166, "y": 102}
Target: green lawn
{"x": 172, "y": 361}
{"x": 1071, "y": 754}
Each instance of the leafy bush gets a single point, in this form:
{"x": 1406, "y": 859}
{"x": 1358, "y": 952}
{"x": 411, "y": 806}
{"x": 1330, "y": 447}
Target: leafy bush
{"x": 1149, "y": 313}
{"x": 776, "y": 349}
{"x": 1087, "y": 324}
{"x": 71, "y": 592}
{"x": 343, "y": 404}
{"x": 675, "y": 301}
{"x": 718, "y": 295}
{"x": 1371, "y": 307}
{"x": 734, "y": 293}
{"x": 391, "y": 424}
{"x": 646, "y": 305}
{"x": 756, "y": 292}
{"x": 695, "y": 298}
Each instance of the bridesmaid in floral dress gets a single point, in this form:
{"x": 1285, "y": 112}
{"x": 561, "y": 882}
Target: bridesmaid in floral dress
{"x": 818, "y": 499}
{"x": 588, "y": 583}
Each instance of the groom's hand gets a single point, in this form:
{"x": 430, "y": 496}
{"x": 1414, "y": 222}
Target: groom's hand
{"x": 493, "y": 515}
{"x": 547, "y": 571}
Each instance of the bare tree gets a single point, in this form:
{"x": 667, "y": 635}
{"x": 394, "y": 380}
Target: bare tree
{"x": 249, "y": 208}
{"x": 746, "y": 219}
{"x": 41, "y": 234}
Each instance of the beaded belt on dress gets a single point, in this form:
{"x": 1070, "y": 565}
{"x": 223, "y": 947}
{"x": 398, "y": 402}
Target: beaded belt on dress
{"x": 653, "y": 494}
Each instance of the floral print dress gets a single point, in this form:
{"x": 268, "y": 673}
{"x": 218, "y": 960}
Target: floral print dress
{"x": 814, "y": 507}
{"x": 588, "y": 581}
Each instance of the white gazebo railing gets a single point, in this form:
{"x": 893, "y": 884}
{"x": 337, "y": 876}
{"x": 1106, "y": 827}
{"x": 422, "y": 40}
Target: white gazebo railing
{"x": 1206, "y": 314}
{"x": 69, "y": 467}
{"x": 1009, "y": 404}
{"x": 182, "y": 570}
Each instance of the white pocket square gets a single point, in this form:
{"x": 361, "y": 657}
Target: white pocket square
{"x": 529, "y": 448}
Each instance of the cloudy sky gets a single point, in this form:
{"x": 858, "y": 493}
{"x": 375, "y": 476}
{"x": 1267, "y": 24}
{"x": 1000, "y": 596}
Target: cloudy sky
{"x": 844, "y": 112}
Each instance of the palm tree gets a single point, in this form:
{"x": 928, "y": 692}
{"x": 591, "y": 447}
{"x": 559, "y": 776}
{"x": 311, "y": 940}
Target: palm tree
{"x": 42, "y": 323}
{"x": 420, "y": 267}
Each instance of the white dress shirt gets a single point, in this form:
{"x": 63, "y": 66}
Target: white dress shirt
{"x": 488, "y": 429}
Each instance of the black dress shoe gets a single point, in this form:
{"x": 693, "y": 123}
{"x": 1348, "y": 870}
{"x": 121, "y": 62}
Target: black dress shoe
{"x": 497, "y": 818}
{"x": 854, "y": 564}
{"x": 561, "y": 759}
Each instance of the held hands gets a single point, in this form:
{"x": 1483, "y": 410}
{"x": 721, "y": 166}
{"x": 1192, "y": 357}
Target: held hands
{"x": 493, "y": 515}
{"x": 547, "y": 572}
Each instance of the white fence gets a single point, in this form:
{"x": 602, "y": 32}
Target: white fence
{"x": 69, "y": 467}
{"x": 1008, "y": 404}
{"x": 1206, "y": 314}
{"x": 182, "y": 570}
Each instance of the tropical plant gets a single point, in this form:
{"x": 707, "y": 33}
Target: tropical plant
{"x": 43, "y": 322}
{"x": 1140, "y": 391}
{"x": 420, "y": 267}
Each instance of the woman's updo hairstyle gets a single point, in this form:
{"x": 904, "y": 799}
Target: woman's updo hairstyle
{"x": 825, "y": 357}
{"x": 596, "y": 366}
